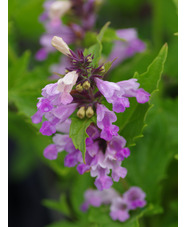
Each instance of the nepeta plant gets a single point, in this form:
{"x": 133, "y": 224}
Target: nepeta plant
{"x": 83, "y": 90}
{"x": 81, "y": 108}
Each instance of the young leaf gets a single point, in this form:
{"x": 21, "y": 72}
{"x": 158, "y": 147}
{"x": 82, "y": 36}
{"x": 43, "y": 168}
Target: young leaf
{"x": 132, "y": 121}
{"x": 102, "y": 32}
{"x": 78, "y": 132}
{"x": 110, "y": 35}
{"x": 96, "y": 49}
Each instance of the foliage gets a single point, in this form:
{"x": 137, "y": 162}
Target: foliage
{"x": 152, "y": 127}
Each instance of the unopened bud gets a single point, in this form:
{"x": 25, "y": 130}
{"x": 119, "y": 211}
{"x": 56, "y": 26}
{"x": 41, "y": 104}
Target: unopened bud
{"x": 102, "y": 69}
{"x": 81, "y": 112}
{"x": 89, "y": 59}
{"x": 86, "y": 85}
{"x": 89, "y": 70}
{"x": 79, "y": 88}
{"x": 60, "y": 45}
{"x": 89, "y": 112}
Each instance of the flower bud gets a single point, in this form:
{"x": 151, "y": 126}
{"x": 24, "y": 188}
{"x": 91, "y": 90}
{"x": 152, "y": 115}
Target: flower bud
{"x": 89, "y": 59}
{"x": 89, "y": 70}
{"x": 89, "y": 112}
{"x": 86, "y": 85}
{"x": 102, "y": 69}
{"x": 60, "y": 45}
{"x": 79, "y": 88}
{"x": 81, "y": 112}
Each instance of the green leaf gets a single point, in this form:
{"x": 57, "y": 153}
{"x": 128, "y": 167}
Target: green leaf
{"x": 78, "y": 132}
{"x": 149, "y": 80}
{"x": 108, "y": 65}
{"x": 26, "y": 16}
{"x": 110, "y": 35}
{"x": 18, "y": 69}
{"x": 102, "y": 32}
{"x": 132, "y": 121}
{"x": 60, "y": 206}
{"x": 96, "y": 49}
{"x": 24, "y": 85}
{"x": 89, "y": 39}
{"x": 149, "y": 160}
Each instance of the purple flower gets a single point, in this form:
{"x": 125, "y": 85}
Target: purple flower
{"x": 119, "y": 210}
{"x": 115, "y": 148}
{"x": 73, "y": 158}
{"x": 96, "y": 198}
{"x": 64, "y": 111}
{"x": 103, "y": 181}
{"x": 92, "y": 197}
{"x": 142, "y": 96}
{"x": 120, "y": 206}
{"x": 47, "y": 128}
{"x": 101, "y": 158}
{"x": 64, "y": 126}
{"x": 63, "y": 142}
{"x": 135, "y": 197}
{"x": 118, "y": 93}
{"x": 105, "y": 118}
{"x": 123, "y": 50}
{"x": 50, "y": 152}
{"x": 37, "y": 117}
{"x": 44, "y": 105}
{"x": 41, "y": 54}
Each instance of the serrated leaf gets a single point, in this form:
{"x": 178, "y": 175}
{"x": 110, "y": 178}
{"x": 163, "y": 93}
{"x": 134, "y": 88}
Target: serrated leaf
{"x": 148, "y": 162}
{"x": 149, "y": 80}
{"x": 78, "y": 132}
{"x": 132, "y": 121}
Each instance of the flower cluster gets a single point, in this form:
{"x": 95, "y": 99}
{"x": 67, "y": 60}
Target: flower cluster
{"x": 83, "y": 13}
{"x": 119, "y": 205}
{"x": 82, "y": 90}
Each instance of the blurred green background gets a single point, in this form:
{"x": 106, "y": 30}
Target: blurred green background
{"x": 153, "y": 163}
